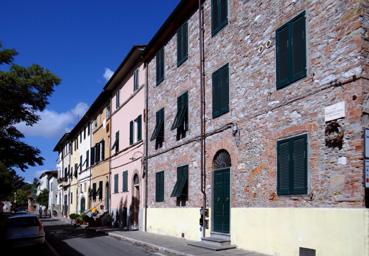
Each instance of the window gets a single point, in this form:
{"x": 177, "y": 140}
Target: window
{"x": 139, "y": 127}
{"x": 291, "y": 52}
{"x": 88, "y": 129}
{"x": 125, "y": 181}
{"x": 102, "y": 149}
{"x": 160, "y": 66}
{"x": 220, "y": 80}
{"x": 71, "y": 197}
{"x": 219, "y": 15}
{"x": 80, "y": 137}
{"x": 181, "y": 120}
{"x": 92, "y": 155}
{"x": 135, "y": 80}
{"x": 159, "y": 191}
{"x": 131, "y": 133}
{"x": 158, "y": 134}
{"x": 181, "y": 187}
{"x": 84, "y": 133}
{"x": 116, "y": 179}
{"x": 94, "y": 191}
{"x": 116, "y": 142}
{"x": 80, "y": 163}
{"x": 182, "y": 44}
{"x": 87, "y": 158}
{"x": 117, "y": 99}
{"x": 292, "y": 166}
{"x": 75, "y": 170}
{"x": 100, "y": 190}
{"x": 97, "y": 153}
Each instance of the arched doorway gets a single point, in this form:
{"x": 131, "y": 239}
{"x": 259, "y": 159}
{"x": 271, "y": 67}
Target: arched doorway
{"x": 83, "y": 204}
{"x": 135, "y": 201}
{"x": 221, "y": 192}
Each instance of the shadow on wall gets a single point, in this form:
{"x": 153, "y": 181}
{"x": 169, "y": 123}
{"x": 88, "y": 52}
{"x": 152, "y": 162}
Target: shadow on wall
{"x": 134, "y": 212}
{"x": 120, "y": 215}
{"x": 125, "y": 219}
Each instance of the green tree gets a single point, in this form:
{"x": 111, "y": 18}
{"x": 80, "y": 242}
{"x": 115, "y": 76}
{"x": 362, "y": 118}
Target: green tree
{"x": 22, "y": 195}
{"x": 43, "y": 198}
{"x": 24, "y": 91}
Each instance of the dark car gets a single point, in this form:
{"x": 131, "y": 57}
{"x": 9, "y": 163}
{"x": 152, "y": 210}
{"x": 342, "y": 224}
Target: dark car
{"x": 24, "y": 230}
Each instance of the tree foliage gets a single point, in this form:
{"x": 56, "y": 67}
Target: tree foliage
{"x": 43, "y": 198}
{"x": 24, "y": 91}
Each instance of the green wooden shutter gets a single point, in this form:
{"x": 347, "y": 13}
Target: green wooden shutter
{"x": 94, "y": 191}
{"x": 125, "y": 181}
{"x": 139, "y": 128}
{"x": 117, "y": 141}
{"x": 159, "y": 193}
{"x": 214, "y": 16}
{"x": 215, "y": 94}
{"x": 283, "y": 168}
{"x": 224, "y": 90}
{"x": 223, "y": 17}
{"x": 116, "y": 177}
{"x": 182, "y": 175}
{"x": 298, "y": 45}
{"x": 100, "y": 190}
{"x": 131, "y": 132}
{"x": 87, "y": 158}
{"x": 97, "y": 152}
{"x": 283, "y": 62}
{"x": 92, "y": 155}
{"x": 179, "y": 46}
{"x": 160, "y": 66}
{"x": 182, "y": 43}
{"x": 219, "y": 15}
{"x": 220, "y": 80}
{"x": 185, "y": 107}
{"x": 102, "y": 150}
{"x": 299, "y": 165}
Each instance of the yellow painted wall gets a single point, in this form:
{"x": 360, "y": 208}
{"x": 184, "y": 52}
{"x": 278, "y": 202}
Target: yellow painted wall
{"x": 174, "y": 222}
{"x": 73, "y": 205}
{"x": 281, "y": 231}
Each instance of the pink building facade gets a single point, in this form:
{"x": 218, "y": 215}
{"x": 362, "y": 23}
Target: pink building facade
{"x": 127, "y": 142}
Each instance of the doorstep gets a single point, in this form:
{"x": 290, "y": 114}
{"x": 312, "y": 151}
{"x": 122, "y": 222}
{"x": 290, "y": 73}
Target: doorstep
{"x": 169, "y": 245}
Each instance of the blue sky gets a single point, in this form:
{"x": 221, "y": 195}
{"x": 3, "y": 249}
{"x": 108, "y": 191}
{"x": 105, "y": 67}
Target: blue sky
{"x": 79, "y": 41}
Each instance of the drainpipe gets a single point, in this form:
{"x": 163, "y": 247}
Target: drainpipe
{"x": 202, "y": 112}
{"x": 146, "y": 167}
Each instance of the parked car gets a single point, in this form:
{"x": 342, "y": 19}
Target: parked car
{"x": 24, "y": 230}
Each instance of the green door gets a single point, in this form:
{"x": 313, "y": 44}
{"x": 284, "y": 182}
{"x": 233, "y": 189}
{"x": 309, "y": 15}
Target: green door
{"x": 221, "y": 202}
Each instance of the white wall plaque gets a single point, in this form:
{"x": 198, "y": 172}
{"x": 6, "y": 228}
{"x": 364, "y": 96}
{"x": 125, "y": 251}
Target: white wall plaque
{"x": 335, "y": 111}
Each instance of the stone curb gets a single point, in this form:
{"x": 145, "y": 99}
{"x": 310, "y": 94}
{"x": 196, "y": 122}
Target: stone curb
{"x": 155, "y": 247}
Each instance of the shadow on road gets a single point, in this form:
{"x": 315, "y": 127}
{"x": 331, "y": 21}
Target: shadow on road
{"x": 58, "y": 234}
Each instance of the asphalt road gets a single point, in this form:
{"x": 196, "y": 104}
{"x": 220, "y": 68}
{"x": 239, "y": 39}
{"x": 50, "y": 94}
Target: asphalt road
{"x": 68, "y": 240}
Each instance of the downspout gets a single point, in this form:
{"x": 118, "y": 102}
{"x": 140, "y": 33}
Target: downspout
{"x": 146, "y": 168}
{"x": 202, "y": 112}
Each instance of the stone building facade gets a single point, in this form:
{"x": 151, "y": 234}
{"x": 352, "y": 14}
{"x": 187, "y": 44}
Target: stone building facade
{"x": 261, "y": 119}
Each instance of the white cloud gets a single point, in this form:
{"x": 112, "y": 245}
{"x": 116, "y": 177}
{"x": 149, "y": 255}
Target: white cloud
{"x": 108, "y": 74}
{"x": 54, "y": 124}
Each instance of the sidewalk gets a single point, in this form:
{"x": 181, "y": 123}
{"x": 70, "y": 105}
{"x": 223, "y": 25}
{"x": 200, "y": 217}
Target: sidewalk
{"x": 168, "y": 245}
